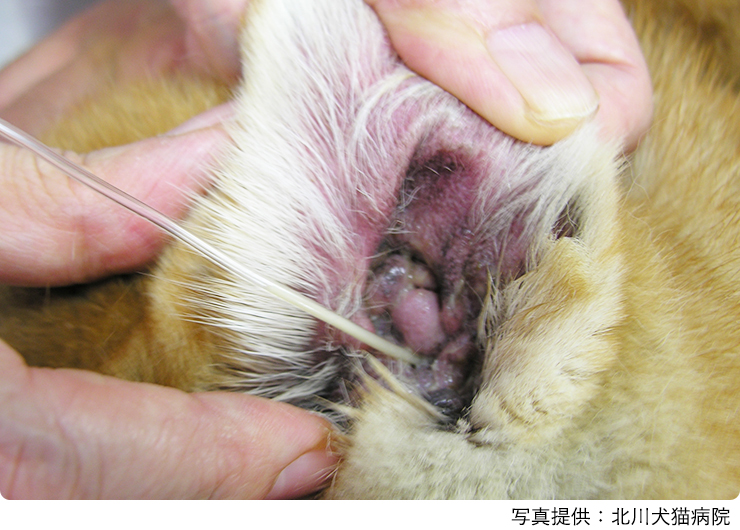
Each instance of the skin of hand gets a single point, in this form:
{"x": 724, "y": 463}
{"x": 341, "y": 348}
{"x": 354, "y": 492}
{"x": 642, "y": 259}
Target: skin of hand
{"x": 534, "y": 69}
{"x": 76, "y": 434}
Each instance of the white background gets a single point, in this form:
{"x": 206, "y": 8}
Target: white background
{"x": 24, "y": 22}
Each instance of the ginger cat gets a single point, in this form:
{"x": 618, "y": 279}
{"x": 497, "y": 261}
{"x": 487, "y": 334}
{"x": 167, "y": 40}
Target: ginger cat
{"x": 578, "y": 313}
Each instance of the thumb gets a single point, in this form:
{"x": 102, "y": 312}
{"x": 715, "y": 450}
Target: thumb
{"x": 75, "y": 434}
{"x": 498, "y": 58}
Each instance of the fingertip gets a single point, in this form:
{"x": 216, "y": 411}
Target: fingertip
{"x": 276, "y": 451}
{"x": 627, "y": 112}
{"x": 556, "y": 96}
{"x": 518, "y": 76}
{"x": 600, "y": 36}
{"x": 305, "y": 475}
{"x": 158, "y": 169}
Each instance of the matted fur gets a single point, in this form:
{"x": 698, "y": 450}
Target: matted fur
{"x": 611, "y": 361}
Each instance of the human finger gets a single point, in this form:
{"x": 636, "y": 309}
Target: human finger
{"x": 212, "y": 33}
{"x": 113, "y": 42}
{"x": 77, "y": 37}
{"x": 499, "y": 57}
{"x": 75, "y": 434}
{"x": 602, "y": 40}
{"x": 58, "y": 232}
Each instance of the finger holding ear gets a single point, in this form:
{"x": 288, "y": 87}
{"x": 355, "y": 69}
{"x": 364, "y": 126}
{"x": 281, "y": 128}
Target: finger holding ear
{"x": 75, "y": 434}
{"x": 506, "y": 61}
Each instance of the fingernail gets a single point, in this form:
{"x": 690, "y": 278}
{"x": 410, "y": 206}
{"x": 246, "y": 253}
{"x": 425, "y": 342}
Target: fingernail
{"x": 307, "y": 474}
{"x": 214, "y": 116}
{"x": 547, "y": 76}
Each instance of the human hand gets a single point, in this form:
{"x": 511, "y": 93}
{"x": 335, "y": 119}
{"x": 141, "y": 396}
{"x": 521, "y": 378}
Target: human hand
{"x": 68, "y": 433}
{"x": 535, "y": 69}
{"x": 75, "y": 434}
{"x": 57, "y": 233}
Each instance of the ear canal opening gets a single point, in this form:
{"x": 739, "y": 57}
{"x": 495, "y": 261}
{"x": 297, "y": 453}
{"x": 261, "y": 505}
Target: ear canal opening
{"x": 568, "y": 223}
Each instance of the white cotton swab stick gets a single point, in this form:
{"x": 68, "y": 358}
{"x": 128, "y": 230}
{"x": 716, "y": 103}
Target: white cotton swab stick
{"x": 282, "y": 292}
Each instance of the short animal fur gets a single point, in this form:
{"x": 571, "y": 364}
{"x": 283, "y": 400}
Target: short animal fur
{"x": 591, "y": 344}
